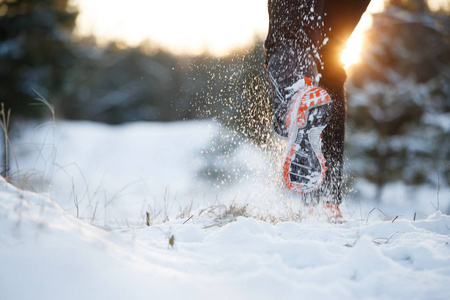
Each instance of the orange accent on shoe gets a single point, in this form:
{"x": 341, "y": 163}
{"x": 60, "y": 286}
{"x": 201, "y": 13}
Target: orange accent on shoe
{"x": 333, "y": 211}
{"x": 308, "y": 81}
{"x": 310, "y": 96}
{"x": 295, "y": 187}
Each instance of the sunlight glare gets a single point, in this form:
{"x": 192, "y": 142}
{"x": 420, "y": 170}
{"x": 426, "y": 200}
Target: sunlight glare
{"x": 436, "y": 5}
{"x": 181, "y": 26}
{"x": 191, "y": 27}
{"x": 351, "y": 53}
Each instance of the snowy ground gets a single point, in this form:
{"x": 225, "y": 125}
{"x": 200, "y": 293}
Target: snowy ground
{"x": 239, "y": 236}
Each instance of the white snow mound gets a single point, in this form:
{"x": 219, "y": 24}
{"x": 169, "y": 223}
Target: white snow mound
{"x": 45, "y": 253}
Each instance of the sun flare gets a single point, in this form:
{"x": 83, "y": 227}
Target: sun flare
{"x": 191, "y": 27}
{"x": 180, "y": 26}
{"x": 351, "y": 54}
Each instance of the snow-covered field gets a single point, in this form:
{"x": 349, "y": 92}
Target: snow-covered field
{"x": 239, "y": 235}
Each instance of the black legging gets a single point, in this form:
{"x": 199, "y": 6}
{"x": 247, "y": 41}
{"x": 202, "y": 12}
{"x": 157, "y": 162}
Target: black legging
{"x": 297, "y": 29}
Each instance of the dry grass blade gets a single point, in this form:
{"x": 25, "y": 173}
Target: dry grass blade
{"x": 4, "y": 122}
{"x": 147, "y": 218}
{"x": 44, "y": 101}
{"x": 188, "y": 219}
{"x": 380, "y": 241}
{"x": 373, "y": 209}
{"x": 5, "y": 117}
{"x": 226, "y": 214}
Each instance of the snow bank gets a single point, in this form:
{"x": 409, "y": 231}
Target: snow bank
{"x": 113, "y": 172}
{"x": 206, "y": 240}
{"x": 110, "y": 174}
{"x": 45, "y": 253}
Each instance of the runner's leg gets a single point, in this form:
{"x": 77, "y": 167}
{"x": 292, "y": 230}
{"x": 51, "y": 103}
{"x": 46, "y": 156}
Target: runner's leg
{"x": 296, "y": 29}
{"x": 341, "y": 17}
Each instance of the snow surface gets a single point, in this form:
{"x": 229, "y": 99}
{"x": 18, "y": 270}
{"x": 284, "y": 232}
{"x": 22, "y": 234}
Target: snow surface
{"x": 241, "y": 238}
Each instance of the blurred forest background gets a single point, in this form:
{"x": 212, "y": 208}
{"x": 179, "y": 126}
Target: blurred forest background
{"x": 398, "y": 94}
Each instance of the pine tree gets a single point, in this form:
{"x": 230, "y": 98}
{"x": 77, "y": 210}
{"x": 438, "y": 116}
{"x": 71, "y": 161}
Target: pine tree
{"x": 35, "y": 51}
{"x": 399, "y": 102}
{"x": 35, "y": 54}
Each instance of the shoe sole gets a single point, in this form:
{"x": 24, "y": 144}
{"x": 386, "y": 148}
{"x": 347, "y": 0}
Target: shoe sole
{"x": 305, "y": 166}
